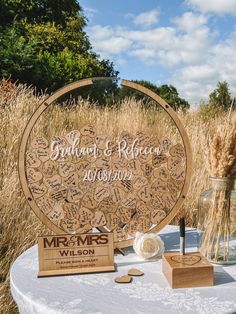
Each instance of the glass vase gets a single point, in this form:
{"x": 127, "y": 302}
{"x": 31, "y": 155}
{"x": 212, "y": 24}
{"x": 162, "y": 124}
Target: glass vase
{"x": 217, "y": 221}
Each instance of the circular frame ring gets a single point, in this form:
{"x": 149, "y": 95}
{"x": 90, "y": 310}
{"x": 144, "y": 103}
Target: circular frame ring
{"x": 86, "y": 82}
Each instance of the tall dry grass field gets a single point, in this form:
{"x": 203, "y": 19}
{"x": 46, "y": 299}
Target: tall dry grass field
{"x": 19, "y": 227}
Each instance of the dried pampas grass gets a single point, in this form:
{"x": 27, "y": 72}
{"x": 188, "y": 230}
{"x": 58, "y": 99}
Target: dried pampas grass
{"x": 218, "y": 225}
{"x": 222, "y": 150}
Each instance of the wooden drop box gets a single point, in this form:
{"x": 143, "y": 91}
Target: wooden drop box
{"x": 187, "y": 271}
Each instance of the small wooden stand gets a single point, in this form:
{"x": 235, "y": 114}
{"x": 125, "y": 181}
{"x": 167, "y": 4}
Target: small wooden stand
{"x": 187, "y": 271}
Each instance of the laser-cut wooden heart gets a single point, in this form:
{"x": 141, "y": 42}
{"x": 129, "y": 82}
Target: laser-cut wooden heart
{"x": 88, "y": 130}
{"x": 32, "y": 160}
{"x": 189, "y": 260}
{"x": 99, "y": 219}
{"x": 39, "y": 142}
{"x": 123, "y": 279}
{"x": 33, "y": 175}
{"x": 43, "y": 154}
{"x": 72, "y": 136}
{"x": 135, "y": 272}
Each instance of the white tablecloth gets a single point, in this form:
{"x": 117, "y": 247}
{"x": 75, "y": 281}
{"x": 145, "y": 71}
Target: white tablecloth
{"x": 98, "y": 293}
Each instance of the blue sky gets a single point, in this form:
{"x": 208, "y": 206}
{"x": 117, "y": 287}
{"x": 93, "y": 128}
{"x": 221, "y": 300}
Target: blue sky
{"x": 188, "y": 43}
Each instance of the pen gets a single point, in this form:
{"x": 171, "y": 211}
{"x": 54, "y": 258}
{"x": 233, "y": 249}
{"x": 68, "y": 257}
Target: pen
{"x": 182, "y": 236}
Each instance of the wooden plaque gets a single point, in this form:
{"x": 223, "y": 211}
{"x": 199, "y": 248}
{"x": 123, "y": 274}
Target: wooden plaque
{"x": 84, "y": 179}
{"x": 75, "y": 254}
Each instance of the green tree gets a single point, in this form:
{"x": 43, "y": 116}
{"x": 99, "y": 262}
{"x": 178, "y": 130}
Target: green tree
{"x": 43, "y": 43}
{"x": 171, "y": 95}
{"x": 221, "y": 97}
{"x": 167, "y": 92}
{"x": 40, "y": 11}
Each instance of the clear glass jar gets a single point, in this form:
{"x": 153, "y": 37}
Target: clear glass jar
{"x": 217, "y": 221}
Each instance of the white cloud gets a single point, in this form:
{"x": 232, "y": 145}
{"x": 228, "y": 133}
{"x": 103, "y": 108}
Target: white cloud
{"x": 107, "y": 42}
{"x": 214, "y": 6}
{"x": 189, "y": 21}
{"x": 147, "y": 19}
{"x": 188, "y": 51}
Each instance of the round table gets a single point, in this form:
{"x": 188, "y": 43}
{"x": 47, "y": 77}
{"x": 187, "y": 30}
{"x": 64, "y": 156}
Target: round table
{"x": 98, "y": 293}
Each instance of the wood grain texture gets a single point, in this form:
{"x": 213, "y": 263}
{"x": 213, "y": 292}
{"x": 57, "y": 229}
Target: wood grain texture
{"x": 187, "y": 271}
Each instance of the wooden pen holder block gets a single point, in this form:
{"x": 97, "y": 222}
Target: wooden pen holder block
{"x": 187, "y": 271}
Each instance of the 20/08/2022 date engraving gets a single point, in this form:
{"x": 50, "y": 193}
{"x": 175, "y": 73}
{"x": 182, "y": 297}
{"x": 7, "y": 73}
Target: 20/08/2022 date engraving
{"x": 106, "y": 175}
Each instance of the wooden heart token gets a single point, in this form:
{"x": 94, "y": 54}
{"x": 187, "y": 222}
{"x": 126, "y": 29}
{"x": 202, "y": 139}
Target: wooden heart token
{"x": 123, "y": 279}
{"x": 100, "y": 193}
{"x": 157, "y": 216}
{"x": 85, "y": 215}
{"x": 84, "y": 228}
{"x": 74, "y": 195}
{"x": 58, "y": 141}
{"x": 157, "y": 202}
{"x": 143, "y": 158}
{"x": 99, "y": 219}
{"x": 88, "y": 130}
{"x": 101, "y": 142}
{"x": 58, "y": 195}
{"x": 129, "y": 201}
{"x": 43, "y": 154}
{"x": 112, "y": 221}
{"x": 33, "y": 175}
{"x": 38, "y": 189}
{"x": 49, "y": 168}
{"x": 124, "y": 214}
{"x": 139, "y": 182}
{"x": 45, "y": 204}
{"x": 173, "y": 163}
{"x": 103, "y": 163}
{"x": 165, "y": 144}
{"x": 87, "y": 141}
{"x": 32, "y": 160}
{"x": 126, "y": 185}
{"x": 173, "y": 186}
{"x": 135, "y": 166}
{"x": 89, "y": 201}
{"x": 147, "y": 169}
{"x": 82, "y": 165}
{"x": 117, "y": 194}
{"x": 145, "y": 194}
{"x": 56, "y": 214}
{"x": 169, "y": 199}
{"x": 178, "y": 174}
{"x": 144, "y": 224}
{"x": 119, "y": 234}
{"x": 72, "y": 136}
{"x": 71, "y": 211}
{"x": 161, "y": 173}
{"x": 54, "y": 182}
{"x": 135, "y": 272}
{"x": 70, "y": 225}
{"x": 72, "y": 180}
{"x": 159, "y": 186}
{"x": 65, "y": 168}
{"x": 159, "y": 159}
{"x": 107, "y": 206}
{"x": 177, "y": 150}
{"x": 142, "y": 208}
{"x": 39, "y": 142}
{"x": 186, "y": 259}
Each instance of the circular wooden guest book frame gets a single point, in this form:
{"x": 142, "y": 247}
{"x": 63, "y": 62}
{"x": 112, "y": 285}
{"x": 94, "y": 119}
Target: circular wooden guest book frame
{"x": 86, "y": 82}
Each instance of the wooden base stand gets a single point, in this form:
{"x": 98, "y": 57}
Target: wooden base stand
{"x": 187, "y": 271}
